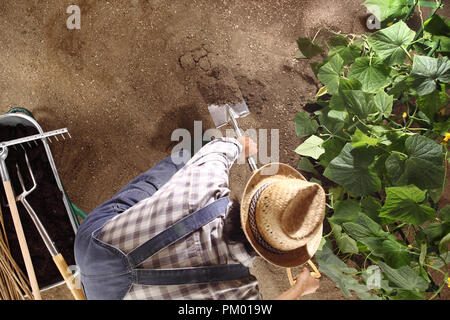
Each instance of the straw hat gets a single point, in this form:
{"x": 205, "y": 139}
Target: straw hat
{"x": 282, "y": 215}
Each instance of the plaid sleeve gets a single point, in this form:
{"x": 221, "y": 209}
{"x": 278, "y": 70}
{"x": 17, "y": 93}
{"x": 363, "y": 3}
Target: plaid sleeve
{"x": 208, "y": 171}
{"x": 224, "y": 150}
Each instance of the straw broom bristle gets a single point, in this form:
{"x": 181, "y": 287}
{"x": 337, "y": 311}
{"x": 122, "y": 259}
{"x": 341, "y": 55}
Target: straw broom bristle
{"x": 14, "y": 284}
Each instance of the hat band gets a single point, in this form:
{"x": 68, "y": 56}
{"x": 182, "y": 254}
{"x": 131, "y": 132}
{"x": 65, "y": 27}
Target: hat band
{"x": 252, "y": 221}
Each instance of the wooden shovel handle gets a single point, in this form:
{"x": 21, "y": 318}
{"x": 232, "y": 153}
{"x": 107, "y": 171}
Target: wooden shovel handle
{"x": 22, "y": 241}
{"x": 315, "y": 274}
{"x": 68, "y": 277}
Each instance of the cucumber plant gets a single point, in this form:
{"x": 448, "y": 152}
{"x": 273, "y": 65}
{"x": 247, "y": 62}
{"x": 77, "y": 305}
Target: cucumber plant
{"x": 377, "y": 140}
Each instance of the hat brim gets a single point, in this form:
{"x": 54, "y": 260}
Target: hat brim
{"x": 291, "y": 258}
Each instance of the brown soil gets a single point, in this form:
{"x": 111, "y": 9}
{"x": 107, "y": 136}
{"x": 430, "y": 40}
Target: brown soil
{"x": 139, "y": 69}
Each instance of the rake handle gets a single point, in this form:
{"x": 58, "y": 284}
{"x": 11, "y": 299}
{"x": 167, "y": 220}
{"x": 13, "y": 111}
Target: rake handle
{"x": 57, "y": 256}
{"x": 22, "y": 241}
{"x": 68, "y": 277}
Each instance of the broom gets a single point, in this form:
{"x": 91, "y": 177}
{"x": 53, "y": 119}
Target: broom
{"x": 14, "y": 285}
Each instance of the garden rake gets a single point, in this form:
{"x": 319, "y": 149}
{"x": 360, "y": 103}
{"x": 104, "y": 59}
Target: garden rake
{"x": 59, "y": 260}
{"x": 224, "y": 114}
{"x": 12, "y": 200}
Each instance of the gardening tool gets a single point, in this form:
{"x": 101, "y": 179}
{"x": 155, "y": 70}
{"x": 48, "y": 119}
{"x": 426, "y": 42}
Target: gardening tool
{"x": 12, "y": 203}
{"x": 222, "y": 115}
{"x": 56, "y": 255}
{"x": 18, "y": 224}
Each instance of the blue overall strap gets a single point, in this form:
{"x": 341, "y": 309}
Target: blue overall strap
{"x": 179, "y": 230}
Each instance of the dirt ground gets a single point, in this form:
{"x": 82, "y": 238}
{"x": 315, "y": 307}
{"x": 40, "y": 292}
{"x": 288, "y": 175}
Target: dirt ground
{"x": 133, "y": 74}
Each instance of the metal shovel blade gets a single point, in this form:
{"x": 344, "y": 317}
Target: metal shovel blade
{"x": 221, "y": 114}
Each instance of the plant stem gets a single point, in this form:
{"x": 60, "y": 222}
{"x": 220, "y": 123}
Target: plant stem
{"x": 420, "y": 31}
{"x": 434, "y": 48}
{"x": 400, "y": 231}
{"x": 438, "y": 291}
{"x": 411, "y": 10}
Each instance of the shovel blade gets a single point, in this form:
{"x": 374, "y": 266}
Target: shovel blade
{"x": 221, "y": 114}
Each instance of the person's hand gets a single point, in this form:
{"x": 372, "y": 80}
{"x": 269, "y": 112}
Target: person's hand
{"x": 249, "y": 147}
{"x": 305, "y": 282}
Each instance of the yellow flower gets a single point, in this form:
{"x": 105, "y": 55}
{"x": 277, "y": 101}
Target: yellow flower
{"x": 431, "y": 262}
{"x": 448, "y": 279}
{"x": 410, "y": 246}
{"x": 389, "y": 24}
{"x": 447, "y": 136}
{"x": 442, "y": 112}
{"x": 404, "y": 115}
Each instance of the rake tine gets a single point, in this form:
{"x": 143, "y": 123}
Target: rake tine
{"x": 35, "y": 142}
{"x": 62, "y": 134}
{"x": 69, "y": 134}
{"x": 49, "y": 140}
{"x": 56, "y": 137}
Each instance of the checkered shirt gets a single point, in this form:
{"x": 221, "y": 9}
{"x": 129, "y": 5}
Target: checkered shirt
{"x": 200, "y": 182}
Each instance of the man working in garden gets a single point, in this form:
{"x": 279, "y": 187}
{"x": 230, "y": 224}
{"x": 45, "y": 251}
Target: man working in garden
{"x": 172, "y": 232}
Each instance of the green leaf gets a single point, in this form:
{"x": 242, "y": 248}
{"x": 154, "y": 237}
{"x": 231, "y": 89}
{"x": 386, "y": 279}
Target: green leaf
{"x": 443, "y": 244}
{"x": 307, "y": 48}
{"x": 311, "y": 147}
{"x": 390, "y": 43}
{"x": 432, "y": 102}
{"x": 437, "y": 25}
{"x": 315, "y": 66}
{"x": 403, "y": 204}
{"x": 332, "y": 120}
{"x": 408, "y": 295}
{"x": 359, "y": 139}
{"x": 322, "y": 91}
{"x": 383, "y": 103}
{"x": 330, "y": 72}
{"x": 423, "y": 165}
{"x": 387, "y": 10}
{"x": 304, "y": 126}
{"x": 395, "y": 254}
{"x": 359, "y": 102}
{"x": 351, "y": 169}
{"x": 349, "y": 84}
{"x": 305, "y": 165}
{"x": 434, "y": 232}
{"x": 339, "y": 273}
{"x": 426, "y": 71}
{"x": 371, "y": 207}
{"x": 344, "y": 242}
{"x": 332, "y": 148}
{"x": 365, "y": 228}
{"x": 339, "y": 45}
{"x": 345, "y": 211}
{"x": 337, "y": 193}
{"x": 372, "y": 73}
{"x": 444, "y": 214}
{"x": 404, "y": 277}
{"x": 399, "y": 86}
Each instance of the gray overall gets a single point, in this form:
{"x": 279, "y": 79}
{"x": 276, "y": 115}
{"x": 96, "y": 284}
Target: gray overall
{"x": 107, "y": 273}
